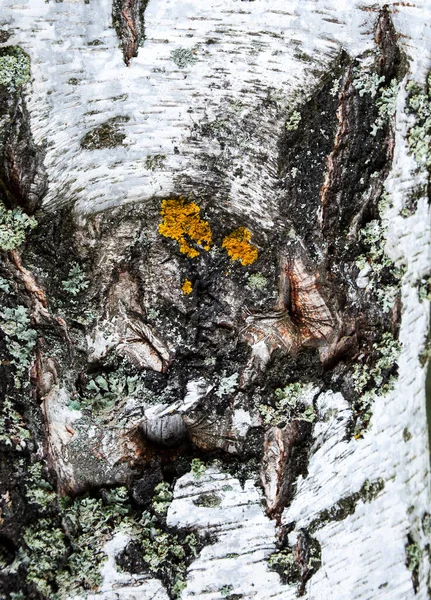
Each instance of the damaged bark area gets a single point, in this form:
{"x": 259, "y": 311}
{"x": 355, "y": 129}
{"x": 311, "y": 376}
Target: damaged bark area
{"x": 128, "y": 20}
{"x": 153, "y": 353}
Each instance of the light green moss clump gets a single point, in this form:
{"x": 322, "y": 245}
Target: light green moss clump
{"x": 14, "y": 67}
{"x": 14, "y": 226}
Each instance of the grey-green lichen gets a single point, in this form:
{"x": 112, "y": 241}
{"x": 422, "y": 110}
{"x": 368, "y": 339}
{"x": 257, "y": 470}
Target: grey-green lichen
{"x": 76, "y": 281}
{"x": 371, "y": 380}
{"x": 14, "y": 432}
{"x": 162, "y": 498}
{"x": 227, "y": 384}
{"x": 184, "y": 57}
{"x": 292, "y": 122}
{"x": 424, "y": 289}
{"x": 387, "y": 350}
{"x": 377, "y": 265}
{"x": 290, "y": 402}
{"x": 20, "y": 340}
{"x": 4, "y": 285}
{"x": 166, "y": 555}
{"x": 386, "y": 95}
{"x": 367, "y": 83}
{"x": 14, "y": 67}
{"x": 63, "y": 557}
{"x": 419, "y": 104}
{"x": 414, "y": 555}
{"x": 110, "y": 389}
{"x": 14, "y": 226}
{"x": 257, "y": 281}
{"x": 387, "y": 105}
{"x": 198, "y": 468}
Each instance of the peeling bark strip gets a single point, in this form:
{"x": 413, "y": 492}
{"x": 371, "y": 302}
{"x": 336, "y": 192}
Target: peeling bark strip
{"x": 128, "y": 19}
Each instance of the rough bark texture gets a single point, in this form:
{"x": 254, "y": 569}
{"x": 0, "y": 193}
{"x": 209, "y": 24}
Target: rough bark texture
{"x": 213, "y": 343}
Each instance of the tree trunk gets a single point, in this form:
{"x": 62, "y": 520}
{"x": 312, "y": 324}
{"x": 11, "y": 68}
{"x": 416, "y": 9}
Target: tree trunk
{"x": 214, "y": 340}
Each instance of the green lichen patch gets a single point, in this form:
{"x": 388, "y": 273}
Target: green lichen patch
{"x": 163, "y": 553}
{"x": 385, "y": 96}
{"x": 14, "y": 227}
{"x": 383, "y": 276}
{"x": 61, "y": 554}
{"x": 257, "y": 281}
{"x": 20, "y": 341}
{"x": 76, "y": 281}
{"x": 106, "y": 391}
{"x": 414, "y": 555}
{"x": 106, "y": 135}
{"x": 290, "y": 402}
{"x": 424, "y": 289}
{"x": 374, "y": 377}
{"x": 198, "y": 468}
{"x": 293, "y": 121}
{"x": 14, "y": 432}
{"x": 184, "y": 57}
{"x": 411, "y": 199}
{"x": 419, "y": 104}
{"x": 14, "y": 67}
{"x": 162, "y": 498}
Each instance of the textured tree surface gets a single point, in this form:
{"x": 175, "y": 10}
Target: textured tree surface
{"x": 214, "y": 299}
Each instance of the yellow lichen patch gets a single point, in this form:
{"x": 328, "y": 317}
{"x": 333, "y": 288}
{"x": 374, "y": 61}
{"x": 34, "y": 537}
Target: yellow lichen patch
{"x": 237, "y": 245}
{"x": 187, "y": 287}
{"x": 182, "y": 222}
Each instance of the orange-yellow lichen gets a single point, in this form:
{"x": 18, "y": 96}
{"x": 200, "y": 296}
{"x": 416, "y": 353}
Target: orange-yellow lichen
{"x": 187, "y": 287}
{"x": 237, "y": 245}
{"x": 182, "y": 222}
